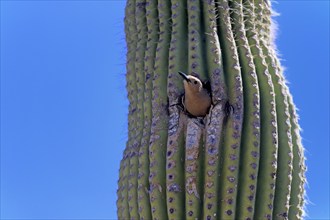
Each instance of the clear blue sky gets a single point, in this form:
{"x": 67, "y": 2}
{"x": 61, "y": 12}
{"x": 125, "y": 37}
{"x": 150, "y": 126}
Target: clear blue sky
{"x": 64, "y": 107}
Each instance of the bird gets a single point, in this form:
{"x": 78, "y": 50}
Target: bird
{"x": 196, "y": 99}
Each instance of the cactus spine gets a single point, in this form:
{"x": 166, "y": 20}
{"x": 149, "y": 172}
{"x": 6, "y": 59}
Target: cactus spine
{"x": 245, "y": 159}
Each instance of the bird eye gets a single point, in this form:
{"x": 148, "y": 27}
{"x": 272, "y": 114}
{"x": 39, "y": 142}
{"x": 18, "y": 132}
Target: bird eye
{"x": 195, "y": 82}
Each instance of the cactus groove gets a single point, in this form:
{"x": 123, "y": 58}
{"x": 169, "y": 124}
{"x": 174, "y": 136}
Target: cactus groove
{"x": 244, "y": 159}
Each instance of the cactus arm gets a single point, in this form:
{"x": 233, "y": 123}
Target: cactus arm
{"x": 268, "y": 140}
{"x": 250, "y": 146}
{"x": 214, "y": 125}
{"x": 150, "y": 51}
{"x": 159, "y": 126}
{"x": 175, "y": 144}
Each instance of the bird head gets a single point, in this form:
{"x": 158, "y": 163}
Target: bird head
{"x": 191, "y": 83}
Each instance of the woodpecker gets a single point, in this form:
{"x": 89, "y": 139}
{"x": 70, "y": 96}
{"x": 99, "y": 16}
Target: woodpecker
{"x": 196, "y": 99}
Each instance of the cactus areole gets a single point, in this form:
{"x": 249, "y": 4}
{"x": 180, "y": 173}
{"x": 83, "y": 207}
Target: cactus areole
{"x": 244, "y": 159}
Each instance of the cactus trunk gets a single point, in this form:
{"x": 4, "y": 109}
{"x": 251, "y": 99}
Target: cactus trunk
{"x": 245, "y": 159}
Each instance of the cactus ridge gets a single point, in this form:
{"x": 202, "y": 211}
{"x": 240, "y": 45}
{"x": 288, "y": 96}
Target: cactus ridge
{"x": 244, "y": 159}
{"x": 230, "y": 149}
{"x": 135, "y": 96}
{"x": 250, "y": 146}
{"x": 139, "y": 123}
{"x": 131, "y": 90}
{"x": 150, "y": 50}
{"x": 298, "y": 177}
{"x": 285, "y": 157}
{"x": 268, "y": 129}
{"x": 175, "y": 181}
{"x": 194, "y": 156}
{"x": 159, "y": 125}
{"x": 214, "y": 125}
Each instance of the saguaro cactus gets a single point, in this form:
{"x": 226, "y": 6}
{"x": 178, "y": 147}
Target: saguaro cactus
{"x": 244, "y": 160}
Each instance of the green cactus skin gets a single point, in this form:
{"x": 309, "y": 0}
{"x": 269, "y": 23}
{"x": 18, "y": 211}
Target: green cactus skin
{"x": 175, "y": 166}
{"x": 230, "y": 149}
{"x": 159, "y": 125}
{"x": 250, "y": 147}
{"x": 134, "y": 174}
{"x": 123, "y": 191}
{"x": 296, "y": 210}
{"x": 268, "y": 129}
{"x": 214, "y": 125}
{"x": 151, "y": 32}
{"x": 245, "y": 159}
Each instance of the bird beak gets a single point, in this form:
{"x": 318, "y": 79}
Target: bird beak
{"x": 184, "y": 76}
